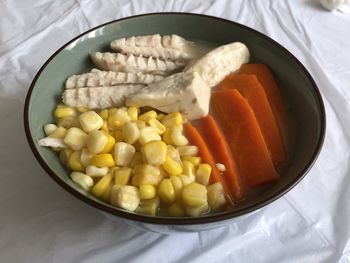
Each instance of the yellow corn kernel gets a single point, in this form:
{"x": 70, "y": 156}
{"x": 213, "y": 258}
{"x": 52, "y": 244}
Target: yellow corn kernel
{"x": 203, "y": 173}
{"x": 68, "y": 122}
{"x": 185, "y": 179}
{"x": 122, "y": 176}
{"x": 113, "y": 169}
{"x": 104, "y": 114}
{"x": 140, "y": 124}
{"x": 154, "y": 152}
{"x": 104, "y": 127}
{"x": 117, "y": 119}
{"x": 216, "y": 197}
{"x": 111, "y": 111}
{"x": 176, "y": 210}
{"x": 130, "y": 132}
{"x": 106, "y": 197}
{"x": 118, "y": 136}
{"x": 194, "y": 211}
{"x": 75, "y": 139}
{"x": 157, "y": 125}
{"x": 177, "y": 184}
{"x": 136, "y": 160}
{"x": 82, "y": 109}
{"x": 133, "y": 113}
{"x": 96, "y": 141}
{"x": 96, "y": 172}
{"x": 166, "y": 192}
{"x": 85, "y": 157}
{"x": 172, "y": 167}
{"x": 110, "y": 143}
{"x": 149, "y": 207}
{"x": 187, "y": 150}
{"x": 172, "y": 119}
{"x": 64, "y": 111}
{"x": 102, "y": 185}
{"x": 125, "y": 196}
{"x": 83, "y": 180}
{"x": 167, "y": 137}
{"x": 147, "y": 191}
{"x": 147, "y": 116}
{"x": 173, "y": 153}
{"x": 49, "y": 128}
{"x": 194, "y": 194}
{"x": 160, "y": 116}
{"x": 148, "y": 134}
{"x": 145, "y": 174}
{"x": 195, "y": 160}
{"x": 90, "y": 121}
{"x": 59, "y": 133}
{"x": 74, "y": 162}
{"x": 123, "y": 153}
{"x": 163, "y": 173}
{"x": 64, "y": 155}
{"x": 188, "y": 170}
{"x": 102, "y": 160}
{"x": 177, "y": 137}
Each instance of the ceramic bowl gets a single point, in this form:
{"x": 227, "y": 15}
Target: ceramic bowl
{"x": 304, "y": 105}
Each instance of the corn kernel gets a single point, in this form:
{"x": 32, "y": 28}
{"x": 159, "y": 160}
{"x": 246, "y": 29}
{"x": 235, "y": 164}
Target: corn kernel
{"x": 102, "y": 160}
{"x": 123, "y": 153}
{"x": 64, "y": 155}
{"x": 82, "y": 109}
{"x": 216, "y": 197}
{"x": 90, "y": 121}
{"x": 185, "y": 179}
{"x": 146, "y": 174}
{"x": 136, "y": 160}
{"x": 49, "y": 128}
{"x": 149, "y": 207}
{"x": 75, "y": 139}
{"x": 195, "y": 160}
{"x": 122, "y": 176}
{"x": 154, "y": 152}
{"x": 110, "y": 143}
{"x": 64, "y": 111}
{"x": 83, "y": 180}
{"x": 125, "y": 196}
{"x": 148, "y": 134}
{"x": 167, "y": 137}
{"x": 111, "y": 111}
{"x": 177, "y": 137}
{"x": 194, "y": 211}
{"x": 74, "y": 162}
{"x": 85, "y": 157}
{"x": 130, "y": 132}
{"x": 177, "y": 184}
{"x": 166, "y": 192}
{"x": 187, "y": 150}
{"x": 188, "y": 170}
{"x": 140, "y": 124}
{"x": 221, "y": 167}
{"x": 104, "y": 114}
{"x": 157, "y": 125}
{"x": 104, "y": 127}
{"x": 117, "y": 119}
{"x": 203, "y": 173}
{"x": 147, "y": 191}
{"x": 176, "y": 210}
{"x": 133, "y": 113}
{"x": 173, "y": 153}
{"x": 96, "y": 141}
{"x": 106, "y": 197}
{"x": 172, "y": 119}
{"x": 68, "y": 122}
{"x": 95, "y": 171}
{"x": 118, "y": 136}
{"x": 102, "y": 185}
{"x": 160, "y": 116}
{"x": 59, "y": 133}
{"x": 172, "y": 167}
{"x": 147, "y": 116}
{"x": 194, "y": 194}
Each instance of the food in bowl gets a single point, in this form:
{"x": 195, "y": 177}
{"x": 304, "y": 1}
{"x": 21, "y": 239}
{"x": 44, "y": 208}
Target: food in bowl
{"x": 163, "y": 129}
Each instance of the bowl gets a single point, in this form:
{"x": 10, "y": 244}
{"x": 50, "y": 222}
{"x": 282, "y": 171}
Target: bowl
{"x": 304, "y": 106}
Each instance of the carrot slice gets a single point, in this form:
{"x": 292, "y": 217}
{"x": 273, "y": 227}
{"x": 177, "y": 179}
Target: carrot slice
{"x": 221, "y": 153}
{"x": 250, "y": 88}
{"x": 195, "y": 138}
{"x": 268, "y": 82}
{"x": 244, "y": 137}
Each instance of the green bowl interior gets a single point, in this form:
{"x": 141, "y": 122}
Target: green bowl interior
{"x": 301, "y": 97}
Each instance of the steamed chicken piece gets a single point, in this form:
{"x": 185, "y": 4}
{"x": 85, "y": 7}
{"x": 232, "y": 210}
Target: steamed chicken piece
{"x": 129, "y": 63}
{"x": 171, "y": 47}
{"x": 183, "y": 92}
{"x": 214, "y": 66}
{"x": 99, "y": 97}
{"x": 109, "y": 78}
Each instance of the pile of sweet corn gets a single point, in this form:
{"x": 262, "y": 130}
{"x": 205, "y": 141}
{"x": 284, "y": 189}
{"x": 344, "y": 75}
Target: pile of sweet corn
{"x": 138, "y": 162}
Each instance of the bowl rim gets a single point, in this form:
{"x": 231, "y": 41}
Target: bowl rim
{"x": 170, "y": 220}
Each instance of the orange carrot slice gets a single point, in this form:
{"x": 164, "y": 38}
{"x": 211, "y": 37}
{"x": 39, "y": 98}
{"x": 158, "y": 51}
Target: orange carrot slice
{"x": 250, "y": 88}
{"x": 268, "y": 82}
{"x": 195, "y": 138}
{"x": 244, "y": 137}
{"x": 221, "y": 153}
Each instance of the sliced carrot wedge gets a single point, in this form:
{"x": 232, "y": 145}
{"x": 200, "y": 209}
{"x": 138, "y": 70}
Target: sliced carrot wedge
{"x": 244, "y": 137}
{"x": 250, "y": 88}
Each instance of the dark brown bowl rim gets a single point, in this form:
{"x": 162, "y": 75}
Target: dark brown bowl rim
{"x": 178, "y": 221}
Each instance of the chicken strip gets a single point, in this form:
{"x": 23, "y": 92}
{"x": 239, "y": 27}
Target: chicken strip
{"x": 184, "y": 92}
{"x": 118, "y": 62}
{"x": 99, "y": 97}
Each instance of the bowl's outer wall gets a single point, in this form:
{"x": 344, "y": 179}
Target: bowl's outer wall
{"x": 298, "y": 89}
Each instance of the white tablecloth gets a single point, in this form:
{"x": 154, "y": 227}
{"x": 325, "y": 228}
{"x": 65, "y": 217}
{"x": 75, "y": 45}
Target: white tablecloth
{"x": 40, "y": 222}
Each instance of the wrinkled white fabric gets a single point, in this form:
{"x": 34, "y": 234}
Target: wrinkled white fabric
{"x": 40, "y": 222}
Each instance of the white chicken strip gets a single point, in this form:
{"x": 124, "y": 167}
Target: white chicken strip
{"x": 214, "y": 66}
{"x": 99, "y": 97}
{"x": 171, "y": 47}
{"x": 118, "y": 62}
{"x": 109, "y": 78}
{"x": 184, "y": 92}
